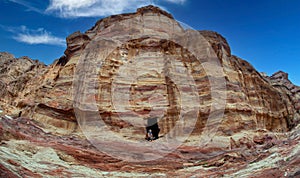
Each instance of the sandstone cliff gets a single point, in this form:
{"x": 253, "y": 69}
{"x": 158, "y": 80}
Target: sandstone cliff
{"x": 280, "y": 80}
{"x": 15, "y": 76}
{"x": 257, "y": 112}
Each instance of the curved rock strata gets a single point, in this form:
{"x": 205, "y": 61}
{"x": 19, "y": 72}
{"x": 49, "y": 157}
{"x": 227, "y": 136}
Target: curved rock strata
{"x": 257, "y": 129}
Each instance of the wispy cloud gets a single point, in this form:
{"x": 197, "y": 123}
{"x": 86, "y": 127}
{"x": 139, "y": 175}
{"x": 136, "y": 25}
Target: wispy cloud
{"x": 34, "y": 36}
{"x": 96, "y": 8}
{"x": 31, "y": 5}
{"x": 88, "y": 8}
{"x": 92, "y": 8}
{"x": 177, "y": 1}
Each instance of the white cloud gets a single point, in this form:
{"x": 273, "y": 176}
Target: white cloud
{"x": 176, "y": 1}
{"x": 70, "y": 4}
{"x": 96, "y": 8}
{"x": 92, "y": 8}
{"x": 88, "y": 8}
{"x": 38, "y": 36}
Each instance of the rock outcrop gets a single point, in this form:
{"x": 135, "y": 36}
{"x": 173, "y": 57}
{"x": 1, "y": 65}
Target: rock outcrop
{"x": 121, "y": 69}
{"x": 280, "y": 80}
{"x": 16, "y": 74}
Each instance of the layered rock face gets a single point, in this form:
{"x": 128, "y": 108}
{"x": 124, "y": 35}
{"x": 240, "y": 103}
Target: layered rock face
{"x": 280, "y": 80}
{"x": 16, "y": 74}
{"x": 252, "y": 102}
{"x": 129, "y": 67}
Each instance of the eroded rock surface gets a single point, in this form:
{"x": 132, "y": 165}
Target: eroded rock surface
{"x": 26, "y": 150}
{"x": 280, "y": 80}
{"x": 16, "y": 74}
{"x": 258, "y": 133}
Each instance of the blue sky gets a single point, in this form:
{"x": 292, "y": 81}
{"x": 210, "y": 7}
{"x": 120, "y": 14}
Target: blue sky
{"x": 263, "y": 32}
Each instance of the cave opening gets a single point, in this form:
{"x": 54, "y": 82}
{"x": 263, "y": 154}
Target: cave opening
{"x": 152, "y": 129}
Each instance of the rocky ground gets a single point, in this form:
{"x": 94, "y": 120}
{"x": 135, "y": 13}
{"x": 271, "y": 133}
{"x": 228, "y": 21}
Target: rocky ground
{"x": 27, "y": 150}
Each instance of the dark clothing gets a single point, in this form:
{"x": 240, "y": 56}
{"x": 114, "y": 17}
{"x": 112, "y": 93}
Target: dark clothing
{"x": 20, "y": 113}
{"x": 149, "y": 135}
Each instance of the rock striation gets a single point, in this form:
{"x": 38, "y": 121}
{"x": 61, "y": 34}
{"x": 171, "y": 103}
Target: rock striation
{"x": 16, "y": 74}
{"x": 142, "y": 58}
{"x": 280, "y": 80}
